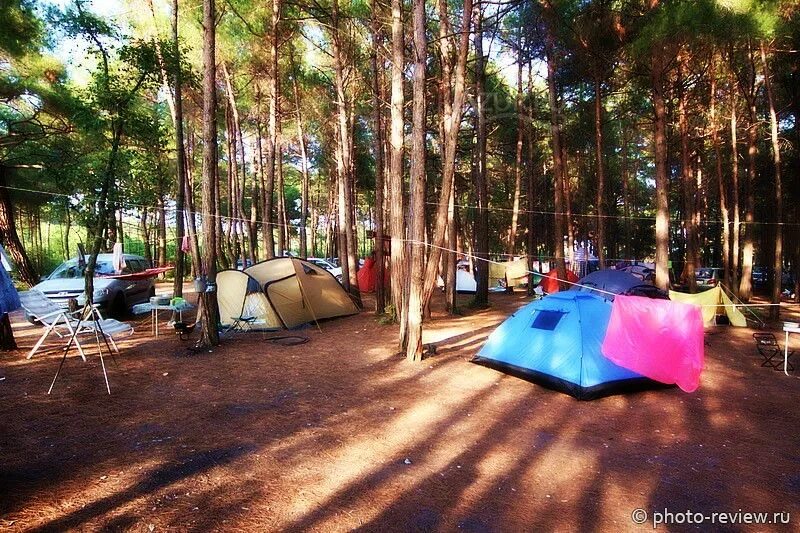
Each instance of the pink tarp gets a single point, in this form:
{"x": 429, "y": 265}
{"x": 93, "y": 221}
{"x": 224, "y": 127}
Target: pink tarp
{"x": 660, "y": 339}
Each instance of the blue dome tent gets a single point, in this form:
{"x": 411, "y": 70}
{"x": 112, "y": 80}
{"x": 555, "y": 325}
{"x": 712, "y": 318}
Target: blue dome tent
{"x": 556, "y": 342}
{"x": 617, "y": 282}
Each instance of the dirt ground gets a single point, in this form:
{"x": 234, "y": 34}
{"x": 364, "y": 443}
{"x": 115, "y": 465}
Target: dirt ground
{"x": 341, "y": 433}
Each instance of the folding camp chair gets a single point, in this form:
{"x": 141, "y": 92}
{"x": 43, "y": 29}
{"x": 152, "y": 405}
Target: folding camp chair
{"x": 768, "y": 347}
{"x": 66, "y": 324}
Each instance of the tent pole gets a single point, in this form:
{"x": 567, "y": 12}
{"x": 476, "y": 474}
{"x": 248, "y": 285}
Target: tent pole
{"x": 308, "y": 303}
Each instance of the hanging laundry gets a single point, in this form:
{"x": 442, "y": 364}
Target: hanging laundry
{"x": 118, "y": 260}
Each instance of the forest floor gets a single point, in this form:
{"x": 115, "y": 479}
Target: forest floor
{"x": 342, "y": 433}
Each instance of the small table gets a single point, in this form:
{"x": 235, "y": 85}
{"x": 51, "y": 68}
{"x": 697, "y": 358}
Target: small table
{"x": 155, "y": 308}
{"x": 788, "y": 329}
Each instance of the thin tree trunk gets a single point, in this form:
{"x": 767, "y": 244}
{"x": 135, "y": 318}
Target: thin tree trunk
{"x": 301, "y": 140}
{"x": 380, "y": 161}
{"x": 67, "y": 229}
{"x": 209, "y": 336}
{"x": 191, "y": 213}
{"x": 453, "y": 112}
{"x": 479, "y": 171}
{"x": 721, "y": 185}
{"x": 734, "y": 187}
{"x": 282, "y": 225}
{"x": 273, "y": 98}
{"x": 745, "y": 281}
{"x": 558, "y": 162}
{"x": 777, "y": 263}
{"x": 417, "y": 187}
{"x": 662, "y": 178}
{"x": 687, "y": 179}
{"x": 348, "y": 236}
{"x": 177, "y": 287}
{"x": 600, "y": 169}
{"x": 512, "y": 234}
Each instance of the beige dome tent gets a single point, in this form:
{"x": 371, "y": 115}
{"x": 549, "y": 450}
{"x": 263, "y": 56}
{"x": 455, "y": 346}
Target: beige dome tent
{"x": 284, "y": 292}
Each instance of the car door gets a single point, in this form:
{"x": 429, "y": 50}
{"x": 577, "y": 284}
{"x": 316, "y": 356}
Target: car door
{"x": 138, "y": 290}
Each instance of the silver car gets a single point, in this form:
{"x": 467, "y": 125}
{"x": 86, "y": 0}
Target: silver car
{"x": 114, "y": 296}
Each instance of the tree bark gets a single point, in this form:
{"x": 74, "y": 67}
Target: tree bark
{"x": 600, "y": 169}
{"x": 452, "y": 106}
{"x": 734, "y": 186}
{"x": 417, "y": 187}
{"x": 273, "y": 100}
{"x": 301, "y": 140}
{"x": 344, "y": 166}
{"x": 180, "y": 159}
{"x": 721, "y": 184}
{"x": 777, "y": 261}
{"x": 395, "y": 176}
{"x": 479, "y": 170}
{"x": 512, "y": 234}
{"x": 687, "y": 179}
{"x": 745, "y": 281}
{"x": 380, "y": 171}
{"x": 8, "y": 234}
{"x": 558, "y": 162}
{"x": 662, "y": 178}
{"x": 209, "y": 336}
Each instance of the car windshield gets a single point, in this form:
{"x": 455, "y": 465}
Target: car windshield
{"x": 71, "y": 270}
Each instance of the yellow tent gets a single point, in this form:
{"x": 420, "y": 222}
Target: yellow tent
{"x": 712, "y": 302}
{"x": 281, "y": 293}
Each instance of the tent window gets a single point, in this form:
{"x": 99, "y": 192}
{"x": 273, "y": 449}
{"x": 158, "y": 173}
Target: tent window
{"x": 310, "y": 271}
{"x": 547, "y": 320}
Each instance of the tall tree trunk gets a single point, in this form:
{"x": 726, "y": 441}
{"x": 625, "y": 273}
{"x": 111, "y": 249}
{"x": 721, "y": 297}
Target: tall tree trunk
{"x": 558, "y": 162}
{"x": 745, "y": 282}
{"x": 452, "y": 106}
{"x": 145, "y": 229}
{"x": 417, "y": 187}
{"x": 721, "y": 184}
{"x": 626, "y": 193}
{"x": 191, "y": 212}
{"x": 479, "y": 171}
{"x": 395, "y": 177}
{"x": 209, "y": 336}
{"x": 600, "y": 169}
{"x": 344, "y": 163}
{"x": 180, "y": 157}
{"x": 687, "y": 179}
{"x": 777, "y": 262}
{"x": 662, "y": 179}
{"x": 8, "y": 234}
{"x": 512, "y": 234}
{"x": 273, "y": 100}
{"x": 67, "y": 229}
{"x": 301, "y": 140}
{"x": 734, "y": 186}
{"x": 283, "y": 240}
{"x": 162, "y": 232}
{"x": 380, "y": 170}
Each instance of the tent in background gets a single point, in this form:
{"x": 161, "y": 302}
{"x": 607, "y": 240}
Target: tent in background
{"x": 549, "y": 283}
{"x": 368, "y": 276}
{"x": 284, "y": 292}
{"x": 556, "y": 342}
{"x": 712, "y": 302}
{"x": 610, "y": 282}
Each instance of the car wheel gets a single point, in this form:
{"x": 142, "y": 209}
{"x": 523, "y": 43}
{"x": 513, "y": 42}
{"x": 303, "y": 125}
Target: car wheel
{"x": 118, "y": 308}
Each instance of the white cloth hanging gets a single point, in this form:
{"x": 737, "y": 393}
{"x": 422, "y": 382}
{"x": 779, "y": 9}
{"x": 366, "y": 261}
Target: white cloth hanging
{"x": 118, "y": 260}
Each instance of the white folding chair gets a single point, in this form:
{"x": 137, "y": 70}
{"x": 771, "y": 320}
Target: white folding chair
{"x": 64, "y": 323}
